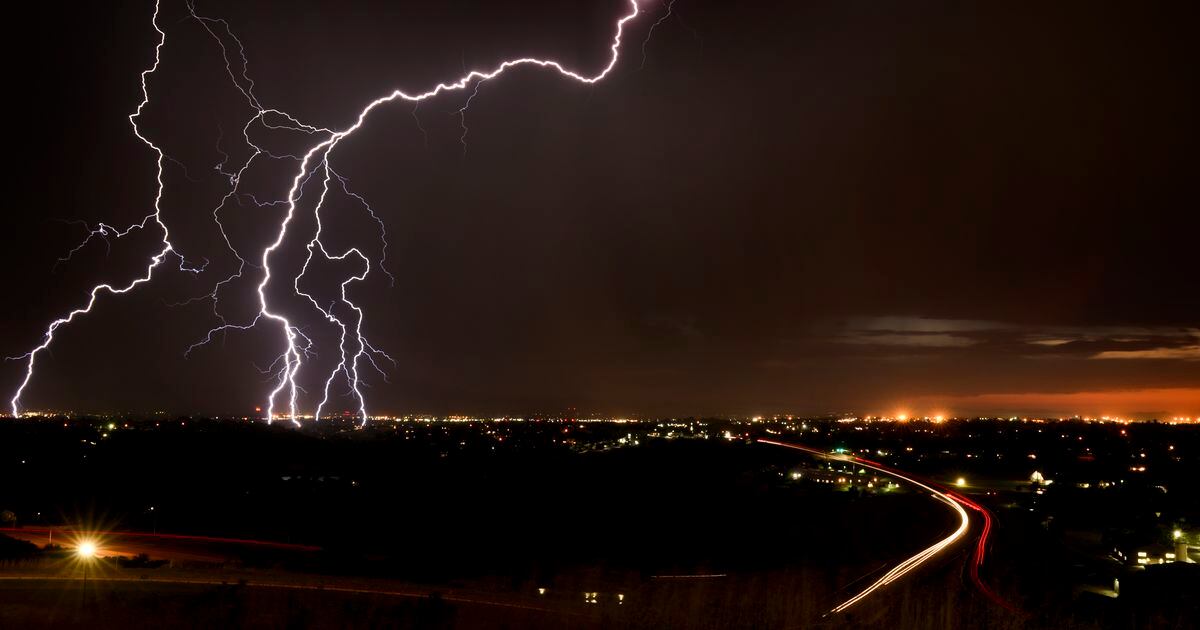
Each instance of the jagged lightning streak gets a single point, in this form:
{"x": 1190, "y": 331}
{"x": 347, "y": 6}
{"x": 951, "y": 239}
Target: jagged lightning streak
{"x": 650, "y": 31}
{"x": 316, "y": 159}
{"x": 104, "y": 231}
{"x": 321, "y": 153}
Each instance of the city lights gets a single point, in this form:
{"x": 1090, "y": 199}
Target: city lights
{"x": 453, "y": 314}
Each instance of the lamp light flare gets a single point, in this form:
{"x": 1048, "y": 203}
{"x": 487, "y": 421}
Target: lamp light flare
{"x": 86, "y": 549}
{"x": 354, "y": 348}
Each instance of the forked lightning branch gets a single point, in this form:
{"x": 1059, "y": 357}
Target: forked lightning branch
{"x": 355, "y": 351}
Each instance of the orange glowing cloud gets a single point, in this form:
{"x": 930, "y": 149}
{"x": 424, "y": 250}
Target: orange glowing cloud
{"x": 1139, "y": 404}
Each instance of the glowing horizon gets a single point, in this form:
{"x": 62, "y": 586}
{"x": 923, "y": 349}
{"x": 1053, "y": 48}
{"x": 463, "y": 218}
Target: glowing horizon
{"x": 1162, "y": 403}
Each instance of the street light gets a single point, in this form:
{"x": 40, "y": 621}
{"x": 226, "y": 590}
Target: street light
{"x": 960, "y": 482}
{"x": 86, "y": 550}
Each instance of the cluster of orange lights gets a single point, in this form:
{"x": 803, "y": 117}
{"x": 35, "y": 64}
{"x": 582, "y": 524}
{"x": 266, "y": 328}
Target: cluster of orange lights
{"x": 904, "y": 416}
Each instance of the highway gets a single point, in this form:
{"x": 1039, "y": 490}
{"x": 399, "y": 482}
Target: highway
{"x": 953, "y": 500}
{"x": 208, "y": 549}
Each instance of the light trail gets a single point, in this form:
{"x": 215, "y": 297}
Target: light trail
{"x": 981, "y": 545}
{"x": 920, "y": 557}
{"x": 981, "y": 548}
{"x": 354, "y": 348}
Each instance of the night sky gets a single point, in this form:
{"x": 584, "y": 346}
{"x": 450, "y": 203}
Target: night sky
{"x": 799, "y": 207}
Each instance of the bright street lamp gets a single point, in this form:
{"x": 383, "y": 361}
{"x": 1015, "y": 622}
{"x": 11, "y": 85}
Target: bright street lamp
{"x": 86, "y": 552}
{"x": 86, "y": 549}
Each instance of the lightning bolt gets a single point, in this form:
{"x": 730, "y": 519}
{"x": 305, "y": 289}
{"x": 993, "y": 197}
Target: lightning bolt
{"x": 104, "y": 231}
{"x": 650, "y": 31}
{"x": 355, "y": 352}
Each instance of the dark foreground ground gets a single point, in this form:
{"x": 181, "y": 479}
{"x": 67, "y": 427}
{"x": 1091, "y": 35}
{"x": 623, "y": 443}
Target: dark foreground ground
{"x": 937, "y": 599}
{"x": 556, "y": 526}
{"x": 765, "y": 601}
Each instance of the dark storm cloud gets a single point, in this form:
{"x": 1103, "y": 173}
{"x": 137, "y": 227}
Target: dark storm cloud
{"x": 795, "y": 205}
{"x": 891, "y": 335}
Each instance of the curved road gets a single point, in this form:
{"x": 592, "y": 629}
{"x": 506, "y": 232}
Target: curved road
{"x": 956, "y": 501}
